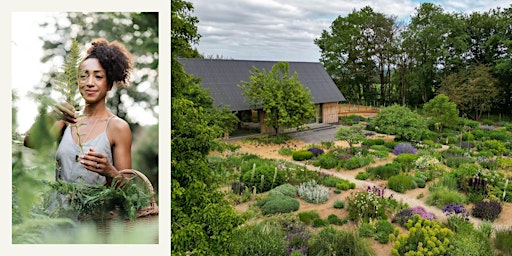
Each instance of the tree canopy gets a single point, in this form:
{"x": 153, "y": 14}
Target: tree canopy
{"x": 440, "y": 112}
{"x": 283, "y": 98}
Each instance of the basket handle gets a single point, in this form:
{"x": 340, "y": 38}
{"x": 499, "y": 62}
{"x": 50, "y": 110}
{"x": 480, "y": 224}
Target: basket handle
{"x": 154, "y": 206}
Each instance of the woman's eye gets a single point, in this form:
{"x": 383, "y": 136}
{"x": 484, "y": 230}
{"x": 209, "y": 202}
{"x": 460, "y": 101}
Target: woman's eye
{"x": 99, "y": 77}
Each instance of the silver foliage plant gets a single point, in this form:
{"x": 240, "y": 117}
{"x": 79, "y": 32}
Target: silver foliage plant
{"x": 312, "y": 192}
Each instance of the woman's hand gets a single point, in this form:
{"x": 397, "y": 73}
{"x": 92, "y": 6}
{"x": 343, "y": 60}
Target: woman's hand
{"x": 65, "y": 112}
{"x": 98, "y": 162}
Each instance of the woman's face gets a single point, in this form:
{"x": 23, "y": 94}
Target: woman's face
{"x": 92, "y": 81}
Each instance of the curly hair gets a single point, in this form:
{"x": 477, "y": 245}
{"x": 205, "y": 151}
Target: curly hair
{"x": 114, "y": 58}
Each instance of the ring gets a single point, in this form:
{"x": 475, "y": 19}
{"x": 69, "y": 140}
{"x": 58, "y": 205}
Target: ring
{"x": 97, "y": 165}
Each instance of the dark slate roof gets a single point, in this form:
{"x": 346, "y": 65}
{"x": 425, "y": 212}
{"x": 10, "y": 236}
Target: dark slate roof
{"x": 222, "y": 77}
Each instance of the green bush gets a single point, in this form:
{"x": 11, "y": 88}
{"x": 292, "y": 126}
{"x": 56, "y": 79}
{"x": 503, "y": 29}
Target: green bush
{"x": 326, "y": 161}
{"x": 383, "y": 229}
{"x": 502, "y": 238}
{"x": 330, "y": 181}
{"x": 330, "y": 241}
{"x": 263, "y": 238}
{"x": 285, "y": 151}
{"x": 400, "y": 121}
{"x": 335, "y": 220}
{"x": 280, "y": 204}
{"x": 420, "y": 182}
{"x": 287, "y": 190}
{"x": 442, "y": 196}
{"x": 345, "y": 185}
{"x": 384, "y": 171}
{"x": 366, "y": 229}
{"x": 495, "y": 146}
{"x": 308, "y": 217}
{"x": 338, "y": 204}
{"x": 408, "y": 161}
{"x": 264, "y": 177}
{"x": 471, "y": 243}
{"x": 373, "y": 142}
{"x": 357, "y": 162}
{"x": 301, "y": 155}
{"x": 337, "y": 191}
{"x": 401, "y": 183}
{"x": 362, "y": 176}
{"x": 456, "y": 161}
{"x": 319, "y": 223}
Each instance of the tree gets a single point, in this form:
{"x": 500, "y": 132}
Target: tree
{"x": 441, "y": 112}
{"x": 137, "y": 31}
{"x": 286, "y": 102}
{"x": 474, "y": 91}
{"x": 352, "y": 134}
{"x": 400, "y": 121}
{"x": 357, "y": 51}
{"x": 202, "y": 220}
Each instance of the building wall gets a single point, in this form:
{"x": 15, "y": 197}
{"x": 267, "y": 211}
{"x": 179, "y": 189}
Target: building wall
{"x": 330, "y": 112}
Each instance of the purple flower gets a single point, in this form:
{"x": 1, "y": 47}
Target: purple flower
{"x": 404, "y": 148}
{"x": 316, "y": 151}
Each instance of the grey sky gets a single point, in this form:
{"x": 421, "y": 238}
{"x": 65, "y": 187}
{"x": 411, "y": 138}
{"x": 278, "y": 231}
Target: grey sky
{"x": 285, "y": 30}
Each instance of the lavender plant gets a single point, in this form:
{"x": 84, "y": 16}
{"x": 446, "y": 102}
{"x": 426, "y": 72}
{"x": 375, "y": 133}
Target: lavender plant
{"x": 404, "y": 148}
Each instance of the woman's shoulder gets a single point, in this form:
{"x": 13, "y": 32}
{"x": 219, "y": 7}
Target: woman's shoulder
{"x": 117, "y": 124}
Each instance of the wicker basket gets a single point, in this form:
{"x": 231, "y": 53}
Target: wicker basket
{"x": 152, "y": 209}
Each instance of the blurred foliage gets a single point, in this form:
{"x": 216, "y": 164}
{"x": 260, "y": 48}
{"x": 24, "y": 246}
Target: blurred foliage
{"x": 145, "y": 153}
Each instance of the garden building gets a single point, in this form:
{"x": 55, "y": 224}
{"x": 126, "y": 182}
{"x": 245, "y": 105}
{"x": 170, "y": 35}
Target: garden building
{"x": 222, "y": 77}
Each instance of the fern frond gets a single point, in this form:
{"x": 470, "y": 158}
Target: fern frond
{"x": 66, "y": 82}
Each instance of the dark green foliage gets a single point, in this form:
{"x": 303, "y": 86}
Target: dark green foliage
{"x": 351, "y": 119}
{"x": 96, "y": 200}
{"x": 319, "y": 223}
{"x": 401, "y": 183}
{"x": 330, "y": 241}
{"x": 372, "y": 142}
{"x": 264, "y": 177}
{"x": 383, "y": 229}
{"x": 327, "y": 161}
{"x": 487, "y": 210}
{"x": 308, "y": 217}
{"x": 420, "y": 182}
{"x": 302, "y": 155}
{"x": 335, "y": 220}
{"x": 330, "y": 181}
{"x": 384, "y": 171}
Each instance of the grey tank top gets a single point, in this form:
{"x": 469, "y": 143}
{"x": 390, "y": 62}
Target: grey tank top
{"x": 70, "y": 170}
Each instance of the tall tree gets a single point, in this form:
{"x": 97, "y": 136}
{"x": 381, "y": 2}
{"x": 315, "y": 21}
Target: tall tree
{"x": 424, "y": 40}
{"x": 137, "y": 31}
{"x": 285, "y": 101}
{"x": 441, "y": 112}
{"x": 474, "y": 91}
{"x": 202, "y": 220}
{"x": 357, "y": 52}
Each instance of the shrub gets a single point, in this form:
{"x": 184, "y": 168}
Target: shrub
{"x": 366, "y": 229}
{"x": 420, "y": 182}
{"x": 422, "y": 213}
{"x": 400, "y": 121}
{"x": 338, "y": 204}
{"x": 487, "y": 210}
{"x": 330, "y": 181}
{"x": 263, "y": 177}
{"x": 312, "y": 192}
{"x": 301, "y": 155}
{"x": 326, "y": 161}
{"x": 425, "y": 161}
{"x": 263, "y": 238}
{"x": 373, "y": 142}
{"x": 369, "y": 204}
{"x": 402, "y": 217}
{"x": 383, "y": 229}
{"x": 337, "y": 191}
{"x": 438, "y": 242}
{"x": 458, "y": 217}
{"x": 502, "y": 238}
{"x": 316, "y": 151}
{"x": 357, "y": 162}
{"x": 362, "y": 176}
{"x": 297, "y": 238}
{"x": 486, "y": 228}
{"x": 456, "y": 161}
{"x": 335, "y": 220}
{"x": 401, "y": 183}
{"x": 307, "y": 217}
{"x": 319, "y": 223}
{"x": 471, "y": 243}
{"x": 287, "y": 190}
{"x": 404, "y": 148}
{"x": 345, "y": 185}
{"x": 406, "y": 160}
{"x": 285, "y": 151}
{"x": 384, "y": 171}
{"x": 280, "y": 204}
{"x": 495, "y": 146}
{"x": 330, "y": 241}
{"x": 442, "y": 196}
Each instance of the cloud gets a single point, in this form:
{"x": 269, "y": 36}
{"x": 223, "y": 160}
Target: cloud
{"x": 286, "y": 30}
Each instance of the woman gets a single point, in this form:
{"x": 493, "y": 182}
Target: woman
{"x": 95, "y": 145}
